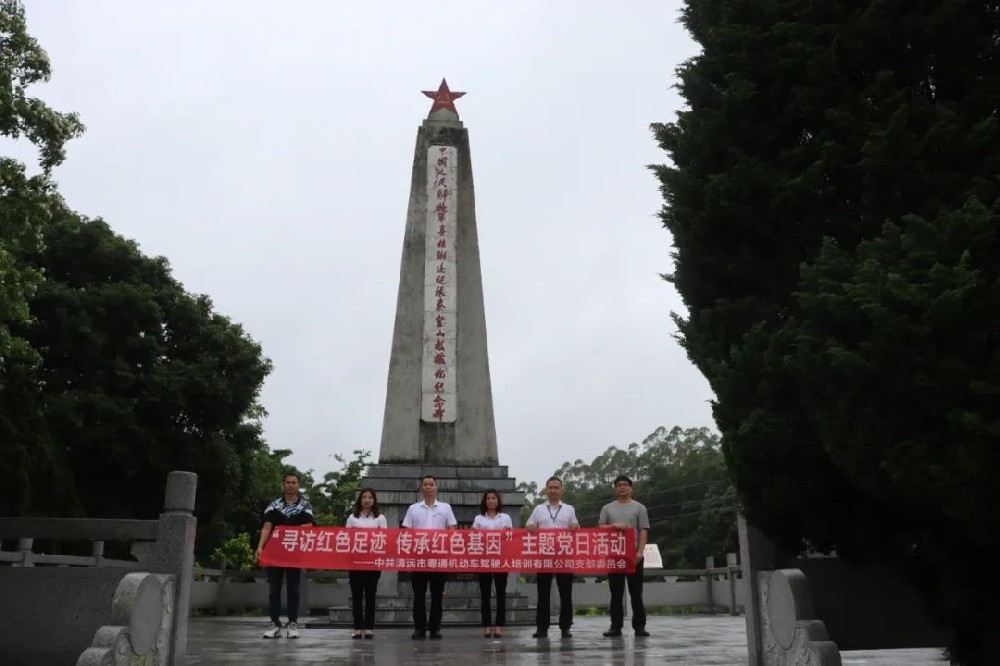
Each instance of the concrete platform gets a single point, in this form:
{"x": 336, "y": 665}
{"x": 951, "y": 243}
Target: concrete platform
{"x": 687, "y": 641}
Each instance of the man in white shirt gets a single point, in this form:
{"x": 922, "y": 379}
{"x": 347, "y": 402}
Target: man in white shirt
{"x": 430, "y": 514}
{"x": 553, "y": 515}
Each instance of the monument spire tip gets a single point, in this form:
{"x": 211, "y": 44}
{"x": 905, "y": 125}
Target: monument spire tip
{"x": 443, "y": 98}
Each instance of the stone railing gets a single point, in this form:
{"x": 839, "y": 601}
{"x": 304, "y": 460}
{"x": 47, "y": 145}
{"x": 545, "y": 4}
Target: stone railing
{"x": 710, "y": 590}
{"x": 804, "y": 611}
{"x": 91, "y": 609}
{"x": 222, "y": 591}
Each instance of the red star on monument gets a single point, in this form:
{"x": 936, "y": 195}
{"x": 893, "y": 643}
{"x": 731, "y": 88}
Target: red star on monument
{"x": 443, "y": 98}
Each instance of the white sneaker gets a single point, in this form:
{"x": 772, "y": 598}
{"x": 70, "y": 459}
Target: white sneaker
{"x": 274, "y": 631}
{"x": 293, "y": 630}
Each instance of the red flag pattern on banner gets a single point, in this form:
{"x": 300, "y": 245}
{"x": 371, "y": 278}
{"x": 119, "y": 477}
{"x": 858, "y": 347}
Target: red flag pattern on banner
{"x": 582, "y": 551}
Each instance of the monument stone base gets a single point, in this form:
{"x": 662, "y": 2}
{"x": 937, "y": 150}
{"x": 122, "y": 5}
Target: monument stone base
{"x": 398, "y": 486}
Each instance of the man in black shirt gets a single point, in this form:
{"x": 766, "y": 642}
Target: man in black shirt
{"x": 289, "y": 509}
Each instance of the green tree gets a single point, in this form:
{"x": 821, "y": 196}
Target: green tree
{"x": 237, "y": 553}
{"x": 832, "y": 199}
{"x": 333, "y": 498}
{"x": 138, "y": 377}
{"x": 24, "y": 63}
{"x": 899, "y": 361}
{"x": 260, "y": 474}
{"x": 680, "y": 475}
{"x": 26, "y": 203}
{"x": 532, "y": 498}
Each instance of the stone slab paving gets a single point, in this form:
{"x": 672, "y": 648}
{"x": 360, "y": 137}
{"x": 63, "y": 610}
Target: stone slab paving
{"x": 694, "y": 640}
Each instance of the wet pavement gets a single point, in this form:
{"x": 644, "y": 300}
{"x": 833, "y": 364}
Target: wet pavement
{"x": 682, "y": 640}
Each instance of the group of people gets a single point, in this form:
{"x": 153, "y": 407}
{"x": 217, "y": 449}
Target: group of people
{"x": 623, "y": 513}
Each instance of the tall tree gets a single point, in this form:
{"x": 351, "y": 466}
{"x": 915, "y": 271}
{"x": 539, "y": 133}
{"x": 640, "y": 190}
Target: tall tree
{"x": 138, "y": 377}
{"x": 833, "y": 201}
{"x": 27, "y": 204}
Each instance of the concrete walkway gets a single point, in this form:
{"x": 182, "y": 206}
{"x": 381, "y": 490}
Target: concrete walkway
{"x": 686, "y": 641}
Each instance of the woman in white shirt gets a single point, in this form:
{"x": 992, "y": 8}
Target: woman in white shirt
{"x": 492, "y": 518}
{"x": 366, "y": 515}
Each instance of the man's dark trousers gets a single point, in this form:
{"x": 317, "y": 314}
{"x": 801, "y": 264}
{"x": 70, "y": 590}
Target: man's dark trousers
{"x": 617, "y": 584}
{"x": 564, "y": 583}
{"x": 274, "y": 580}
{"x": 420, "y": 580}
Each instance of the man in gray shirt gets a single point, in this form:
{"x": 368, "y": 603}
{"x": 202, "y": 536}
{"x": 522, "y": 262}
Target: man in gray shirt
{"x": 624, "y": 514}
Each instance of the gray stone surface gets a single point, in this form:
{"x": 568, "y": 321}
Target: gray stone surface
{"x": 138, "y": 604}
{"x": 471, "y": 439}
{"x": 35, "y": 601}
{"x": 182, "y": 488}
{"x": 174, "y": 554}
{"x": 791, "y": 633}
{"x": 461, "y": 455}
{"x": 687, "y": 641}
{"x": 55, "y": 614}
{"x": 757, "y": 554}
{"x": 141, "y": 610}
{"x": 461, "y": 486}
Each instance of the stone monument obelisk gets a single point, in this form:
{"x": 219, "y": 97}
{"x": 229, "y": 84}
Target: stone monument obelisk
{"x": 439, "y": 402}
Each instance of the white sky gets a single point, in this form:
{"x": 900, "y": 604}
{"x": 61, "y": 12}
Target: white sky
{"x": 265, "y": 149}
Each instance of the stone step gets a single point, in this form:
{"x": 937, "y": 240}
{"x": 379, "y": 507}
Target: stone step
{"x": 505, "y": 486}
{"x": 440, "y": 473}
{"x": 461, "y": 496}
{"x": 403, "y": 617}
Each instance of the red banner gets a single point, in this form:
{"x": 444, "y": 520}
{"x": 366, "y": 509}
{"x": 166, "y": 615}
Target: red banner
{"x": 582, "y": 551}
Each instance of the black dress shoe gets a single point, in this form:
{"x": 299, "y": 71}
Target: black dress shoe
{"x": 436, "y": 635}
{"x": 641, "y": 632}
{"x": 566, "y": 633}
{"x": 417, "y": 635}
{"x": 613, "y": 633}
{"x": 540, "y": 634}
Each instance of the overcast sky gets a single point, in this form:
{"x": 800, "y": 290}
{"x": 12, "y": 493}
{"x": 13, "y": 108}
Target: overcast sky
{"x": 265, "y": 149}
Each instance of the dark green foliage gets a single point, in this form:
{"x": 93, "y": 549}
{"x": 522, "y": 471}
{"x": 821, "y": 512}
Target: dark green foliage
{"x": 333, "y": 499}
{"x": 25, "y": 202}
{"x": 24, "y": 63}
{"x": 137, "y": 378}
{"x": 833, "y": 201}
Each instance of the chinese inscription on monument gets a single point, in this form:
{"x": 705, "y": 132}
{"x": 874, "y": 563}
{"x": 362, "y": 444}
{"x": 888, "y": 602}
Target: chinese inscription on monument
{"x": 440, "y": 294}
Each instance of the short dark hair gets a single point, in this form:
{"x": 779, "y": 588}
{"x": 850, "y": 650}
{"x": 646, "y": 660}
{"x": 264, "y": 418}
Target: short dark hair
{"x": 428, "y": 476}
{"x": 290, "y": 473}
{"x": 621, "y": 477}
{"x": 553, "y": 478}
{"x": 376, "y": 510}
{"x": 487, "y": 493}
